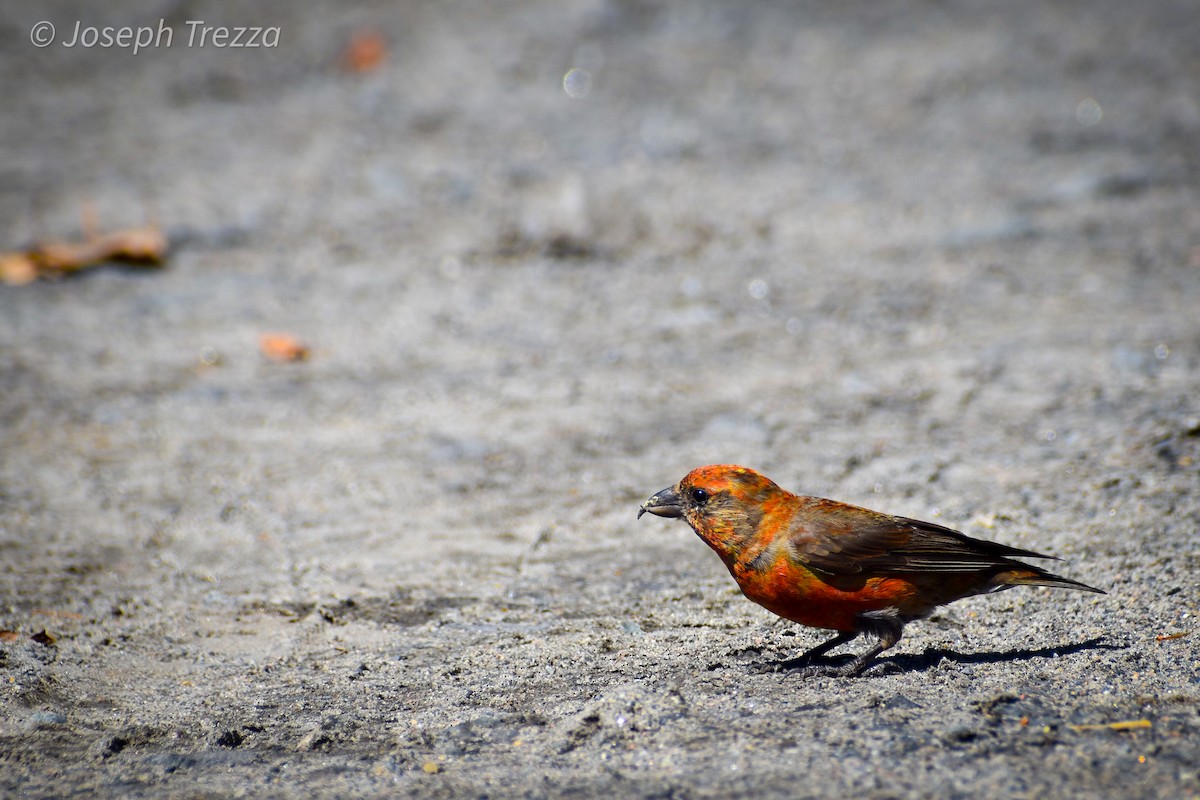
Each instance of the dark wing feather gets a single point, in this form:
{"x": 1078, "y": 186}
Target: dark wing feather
{"x": 847, "y": 540}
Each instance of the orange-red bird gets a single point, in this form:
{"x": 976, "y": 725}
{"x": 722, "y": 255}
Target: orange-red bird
{"x": 831, "y": 565}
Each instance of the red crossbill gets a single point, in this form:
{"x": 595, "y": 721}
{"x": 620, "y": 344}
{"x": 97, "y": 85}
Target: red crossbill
{"x": 836, "y": 566}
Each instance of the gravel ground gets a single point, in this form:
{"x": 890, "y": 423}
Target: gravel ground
{"x": 938, "y": 259}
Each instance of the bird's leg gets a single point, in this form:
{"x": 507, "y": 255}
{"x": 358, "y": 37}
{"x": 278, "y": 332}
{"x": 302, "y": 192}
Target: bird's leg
{"x": 885, "y": 624}
{"x": 806, "y": 658}
{"x": 827, "y": 645}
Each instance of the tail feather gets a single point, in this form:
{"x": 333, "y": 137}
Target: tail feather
{"x": 1027, "y": 575}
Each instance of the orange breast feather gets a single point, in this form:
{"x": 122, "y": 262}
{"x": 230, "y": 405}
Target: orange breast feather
{"x": 820, "y": 601}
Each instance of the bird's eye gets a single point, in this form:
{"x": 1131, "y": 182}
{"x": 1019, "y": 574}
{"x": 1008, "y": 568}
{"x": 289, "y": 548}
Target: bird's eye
{"x": 699, "y": 496}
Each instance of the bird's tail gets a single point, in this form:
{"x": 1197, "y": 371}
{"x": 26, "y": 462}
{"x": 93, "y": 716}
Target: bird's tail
{"x": 1026, "y": 575}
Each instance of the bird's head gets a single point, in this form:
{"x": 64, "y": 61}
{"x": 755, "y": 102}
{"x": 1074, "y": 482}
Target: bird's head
{"x": 723, "y": 503}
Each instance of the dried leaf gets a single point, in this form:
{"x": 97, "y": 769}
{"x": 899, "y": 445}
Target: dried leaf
{"x": 58, "y": 614}
{"x": 17, "y": 269}
{"x": 366, "y": 51}
{"x": 1127, "y": 725}
{"x": 44, "y": 637}
{"x": 146, "y": 245}
{"x": 282, "y": 347}
{"x": 9, "y": 636}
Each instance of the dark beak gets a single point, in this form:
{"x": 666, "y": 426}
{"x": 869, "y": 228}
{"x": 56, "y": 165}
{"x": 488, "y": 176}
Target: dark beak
{"x": 664, "y": 504}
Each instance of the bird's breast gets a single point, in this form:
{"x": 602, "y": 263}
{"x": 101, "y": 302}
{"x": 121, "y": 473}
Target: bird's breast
{"x": 795, "y": 592}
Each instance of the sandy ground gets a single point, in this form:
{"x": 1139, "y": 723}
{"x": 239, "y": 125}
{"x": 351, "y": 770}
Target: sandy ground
{"x": 939, "y": 259}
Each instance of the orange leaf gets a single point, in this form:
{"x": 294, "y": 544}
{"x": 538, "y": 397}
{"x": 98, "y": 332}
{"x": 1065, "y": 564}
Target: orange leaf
{"x": 365, "y": 52}
{"x": 282, "y": 347}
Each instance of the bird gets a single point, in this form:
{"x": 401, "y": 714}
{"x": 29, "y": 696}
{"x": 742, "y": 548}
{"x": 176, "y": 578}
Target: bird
{"x": 832, "y": 565}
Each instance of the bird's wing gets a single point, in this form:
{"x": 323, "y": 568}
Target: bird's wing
{"x": 847, "y": 540}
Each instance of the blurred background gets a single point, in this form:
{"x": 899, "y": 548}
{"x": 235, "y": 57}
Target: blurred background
{"x": 604, "y": 240}
{"x": 447, "y": 289}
